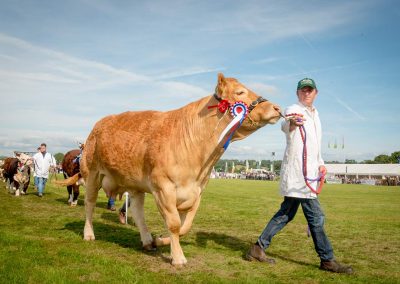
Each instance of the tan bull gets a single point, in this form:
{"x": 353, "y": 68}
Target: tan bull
{"x": 168, "y": 154}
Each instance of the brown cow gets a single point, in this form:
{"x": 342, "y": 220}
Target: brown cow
{"x": 16, "y": 172}
{"x": 70, "y": 166}
{"x": 168, "y": 154}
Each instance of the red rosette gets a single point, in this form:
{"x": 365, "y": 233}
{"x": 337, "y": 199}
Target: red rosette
{"x": 223, "y": 106}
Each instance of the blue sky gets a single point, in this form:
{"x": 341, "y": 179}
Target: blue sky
{"x": 66, "y": 64}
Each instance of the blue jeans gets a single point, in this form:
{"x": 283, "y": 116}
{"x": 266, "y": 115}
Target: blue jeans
{"x": 315, "y": 219}
{"x": 41, "y": 184}
{"x": 36, "y": 181}
{"x": 110, "y": 203}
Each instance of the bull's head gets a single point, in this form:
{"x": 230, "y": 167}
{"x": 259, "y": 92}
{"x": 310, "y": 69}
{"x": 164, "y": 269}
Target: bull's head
{"x": 264, "y": 112}
{"x": 22, "y": 176}
{"x": 25, "y": 159}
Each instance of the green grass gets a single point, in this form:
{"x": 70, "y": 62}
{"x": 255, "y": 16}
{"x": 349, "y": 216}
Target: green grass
{"x": 41, "y": 238}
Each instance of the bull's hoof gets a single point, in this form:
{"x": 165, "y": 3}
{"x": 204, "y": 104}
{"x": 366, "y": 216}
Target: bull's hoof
{"x": 149, "y": 248}
{"x": 179, "y": 263}
{"x": 89, "y": 238}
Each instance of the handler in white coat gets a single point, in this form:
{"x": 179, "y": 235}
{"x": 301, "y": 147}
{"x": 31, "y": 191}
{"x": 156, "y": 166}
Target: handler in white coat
{"x": 293, "y": 185}
{"x": 43, "y": 161}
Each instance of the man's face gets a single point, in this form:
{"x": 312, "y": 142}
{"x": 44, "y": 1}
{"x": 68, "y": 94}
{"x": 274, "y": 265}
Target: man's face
{"x": 42, "y": 149}
{"x": 307, "y": 95}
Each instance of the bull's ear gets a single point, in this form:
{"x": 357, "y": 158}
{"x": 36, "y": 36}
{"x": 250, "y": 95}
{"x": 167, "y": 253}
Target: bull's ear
{"x": 219, "y": 90}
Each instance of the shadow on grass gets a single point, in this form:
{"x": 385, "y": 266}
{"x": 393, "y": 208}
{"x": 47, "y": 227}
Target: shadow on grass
{"x": 232, "y": 243}
{"x": 65, "y": 201}
{"x": 126, "y": 237}
{"x": 236, "y": 244}
{"x": 285, "y": 258}
{"x": 81, "y": 202}
{"x": 113, "y": 217}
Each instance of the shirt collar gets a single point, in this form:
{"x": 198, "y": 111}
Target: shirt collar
{"x": 311, "y": 109}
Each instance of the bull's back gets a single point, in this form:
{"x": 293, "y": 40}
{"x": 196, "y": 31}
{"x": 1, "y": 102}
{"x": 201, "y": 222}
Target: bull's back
{"x": 69, "y": 166}
{"x": 119, "y": 143}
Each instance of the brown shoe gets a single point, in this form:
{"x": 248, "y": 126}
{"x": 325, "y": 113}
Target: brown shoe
{"x": 122, "y": 217}
{"x": 334, "y": 266}
{"x": 256, "y": 253}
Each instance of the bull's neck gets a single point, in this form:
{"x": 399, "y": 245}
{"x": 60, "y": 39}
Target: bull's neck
{"x": 203, "y": 127}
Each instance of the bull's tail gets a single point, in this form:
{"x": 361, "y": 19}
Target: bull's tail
{"x": 75, "y": 179}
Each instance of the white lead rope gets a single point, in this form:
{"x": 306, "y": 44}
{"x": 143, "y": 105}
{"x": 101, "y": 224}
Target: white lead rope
{"x": 126, "y": 207}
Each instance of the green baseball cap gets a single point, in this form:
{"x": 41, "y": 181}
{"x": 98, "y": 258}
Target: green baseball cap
{"x": 306, "y": 82}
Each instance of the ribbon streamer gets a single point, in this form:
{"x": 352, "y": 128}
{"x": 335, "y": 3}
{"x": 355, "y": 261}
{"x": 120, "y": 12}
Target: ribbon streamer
{"x": 239, "y": 111}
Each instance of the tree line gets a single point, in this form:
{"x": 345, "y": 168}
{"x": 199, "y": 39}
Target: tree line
{"x": 240, "y": 165}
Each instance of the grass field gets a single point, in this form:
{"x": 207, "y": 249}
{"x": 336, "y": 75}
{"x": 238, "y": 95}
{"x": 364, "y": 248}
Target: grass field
{"x": 41, "y": 238}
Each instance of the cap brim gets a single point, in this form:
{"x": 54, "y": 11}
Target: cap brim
{"x": 306, "y": 85}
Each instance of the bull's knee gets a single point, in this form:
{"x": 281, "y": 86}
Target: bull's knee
{"x": 174, "y": 226}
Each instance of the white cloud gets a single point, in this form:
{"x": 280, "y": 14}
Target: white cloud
{"x": 263, "y": 90}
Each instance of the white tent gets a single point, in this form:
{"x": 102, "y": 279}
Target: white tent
{"x": 364, "y": 169}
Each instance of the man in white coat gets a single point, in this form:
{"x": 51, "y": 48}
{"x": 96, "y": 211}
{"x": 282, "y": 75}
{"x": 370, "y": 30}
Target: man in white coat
{"x": 293, "y": 182}
{"x": 43, "y": 161}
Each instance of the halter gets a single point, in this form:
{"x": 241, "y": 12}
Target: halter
{"x": 321, "y": 177}
{"x": 252, "y": 105}
{"x": 239, "y": 110}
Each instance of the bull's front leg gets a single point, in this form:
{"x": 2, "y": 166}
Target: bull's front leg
{"x": 186, "y": 223}
{"x": 166, "y": 202}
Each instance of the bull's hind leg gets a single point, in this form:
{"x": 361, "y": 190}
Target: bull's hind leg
{"x": 92, "y": 191}
{"x": 137, "y": 209}
{"x": 75, "y": 196}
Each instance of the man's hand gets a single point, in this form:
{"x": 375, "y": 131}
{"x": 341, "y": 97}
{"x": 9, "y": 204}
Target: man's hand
{"x": 296, "y": 121}
{"x": 322, "y": 170}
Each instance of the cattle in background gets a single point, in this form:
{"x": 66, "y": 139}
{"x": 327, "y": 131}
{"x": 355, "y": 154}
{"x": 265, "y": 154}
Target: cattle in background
{"x": 168, "y": 154}
{"x": 70, "y": 166}
{"x": 17, "y": 173}
{"x": 1, "y": 170}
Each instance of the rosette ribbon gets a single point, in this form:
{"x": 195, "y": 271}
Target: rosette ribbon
{"x": 239, "y": 111}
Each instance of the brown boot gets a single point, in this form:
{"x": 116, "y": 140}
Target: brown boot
{"x": 257, "y": 253}
{"x": 334, "y": 266}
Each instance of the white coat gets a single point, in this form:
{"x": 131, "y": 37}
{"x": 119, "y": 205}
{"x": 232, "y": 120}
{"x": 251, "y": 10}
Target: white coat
{"x": 42, "y": 164}
{"x": 292, "y": 182}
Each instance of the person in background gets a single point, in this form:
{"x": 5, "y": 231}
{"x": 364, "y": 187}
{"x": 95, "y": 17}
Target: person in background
{"x": 111, "y": 204}
{"x": 122, "y": 212}
{"x": 292, "y": 183}
{"x": 43, "y": 161}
